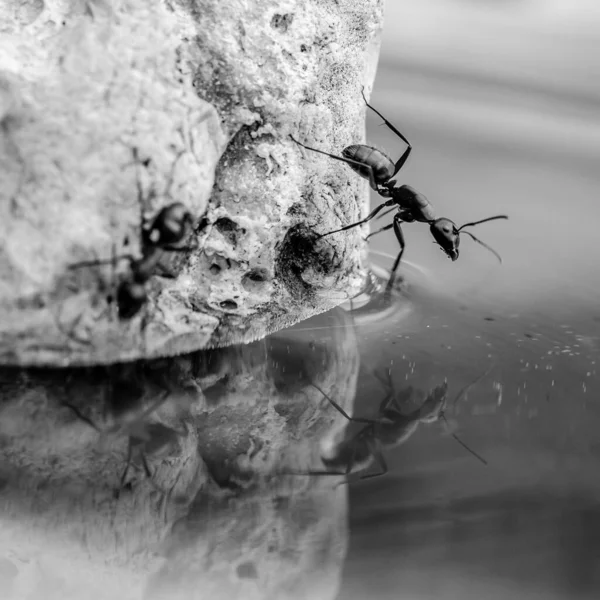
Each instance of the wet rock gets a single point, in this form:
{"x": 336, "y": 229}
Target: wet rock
{"x": 109, "y": 111}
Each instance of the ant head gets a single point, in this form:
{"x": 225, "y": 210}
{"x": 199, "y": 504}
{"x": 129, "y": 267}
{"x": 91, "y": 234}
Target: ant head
{"x": 435, "y": 404}
{"x": 447, "y": 236}
{"x": 170, "y": 226}
{"x": 131, "y": 296}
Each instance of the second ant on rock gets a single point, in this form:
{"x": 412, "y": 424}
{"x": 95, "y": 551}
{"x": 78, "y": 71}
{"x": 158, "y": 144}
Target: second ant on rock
{"x": 165, "y": 233}
{"x": 379, "y": 169}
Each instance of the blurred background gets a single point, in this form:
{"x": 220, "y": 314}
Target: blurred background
{"x": 500, "y": 99}
{"x": 501, "y": 102}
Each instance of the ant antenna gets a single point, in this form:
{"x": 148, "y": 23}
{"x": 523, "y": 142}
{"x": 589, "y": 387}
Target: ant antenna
{"x": 342, "y": 411}
{"x": 467, "y": 387}
{"x": 462, "y": 392}
{"x": 386, "y": 213}
{"x": 477, "y": 456}
{"x": 484, "y": 245}
{"x": 477, "y": 239}
{"x": 482, "y": 221}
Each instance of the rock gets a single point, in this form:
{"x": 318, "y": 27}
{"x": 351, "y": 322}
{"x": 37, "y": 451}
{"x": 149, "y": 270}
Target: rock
{"x": 113, "y": 110}
{"x": 217, "y": 516}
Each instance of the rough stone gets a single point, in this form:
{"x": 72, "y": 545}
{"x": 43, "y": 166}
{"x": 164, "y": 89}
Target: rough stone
{"x": 110, "y": 110}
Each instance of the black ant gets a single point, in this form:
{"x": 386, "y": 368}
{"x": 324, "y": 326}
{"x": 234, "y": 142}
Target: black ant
{"x": 167, "y": 230}
{"x": 379, "y": 169}
{"x": 392, "y": 429}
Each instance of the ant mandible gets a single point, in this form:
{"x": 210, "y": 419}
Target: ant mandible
{"x": 379, "y": 169}
{"x": 167, "y": 230}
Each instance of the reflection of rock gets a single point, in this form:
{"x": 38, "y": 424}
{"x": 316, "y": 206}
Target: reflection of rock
{"x": 60, "y": 518}
{"x": 207, "y": 93}
{"x": 247, "y": 531}
{"x": 268, "y": 543}
{"x": 273, "y": 536}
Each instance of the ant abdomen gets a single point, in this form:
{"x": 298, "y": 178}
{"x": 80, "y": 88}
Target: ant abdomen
{"x": 380, "y": 163}
{"x": 131, "y": 297}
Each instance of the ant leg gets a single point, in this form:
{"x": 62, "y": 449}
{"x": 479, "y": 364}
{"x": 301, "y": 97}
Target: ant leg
{"x": 106, "y": 261}
{"x": 389, "y": 402}
{"x": 379, "y": 231}
{"x": 81, "y": 416}
{"x": 149, "y": 475}
{"x": 164, "y": 271}
{"x": 326, "y": 473}
{"x": 371, "y": 215}
{"x": 400, "y": 237}
{"x": 348, "y": 469}
{"x": 402, "y": 159}
{"x": 388, "y": 399}
{"x": 125, "y": 471}
{"x": 118, "y": 428}
{"x": 143, "y": 326}
{"x": 146, "y": 466}
{"x": 386, "y": 213}
{"x": 157, "y": 404}
{"x": 71, "y": 333}
{"x": 343, "y": 412}
{"x": 407, "y": 152}
{"x": 383, "y": 379}
{"x": 377, "y": 453}
{"x": 348, "y": 161}
{"x": 390, "y": 409}
{"x": 321, "y": 473}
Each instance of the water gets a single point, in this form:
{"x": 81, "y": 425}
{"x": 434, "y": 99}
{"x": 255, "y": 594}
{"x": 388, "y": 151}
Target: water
{"x": 218, "y": 510}
{"x": 496, "y": 127}
{"x": 510, "y": 128}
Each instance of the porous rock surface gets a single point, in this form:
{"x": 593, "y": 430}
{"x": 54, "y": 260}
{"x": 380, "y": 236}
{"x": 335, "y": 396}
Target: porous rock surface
{"x": 112, "y": 109}
{"x": 217, "y": 519}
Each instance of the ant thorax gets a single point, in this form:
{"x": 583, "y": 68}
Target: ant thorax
{"x": 169, "y": 227}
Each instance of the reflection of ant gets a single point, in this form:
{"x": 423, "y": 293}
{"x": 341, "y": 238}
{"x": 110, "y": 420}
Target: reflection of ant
{"x": 379, "y": 169}
{"x": 144, "y": 439}
{"x": 164, "y": 233}
{"x": 391, "y": 429}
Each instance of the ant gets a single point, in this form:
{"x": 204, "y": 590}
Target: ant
{"x": 392, "y": 429}
{"x": 379, "y": 169}
{"x": 167, "y": 230}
